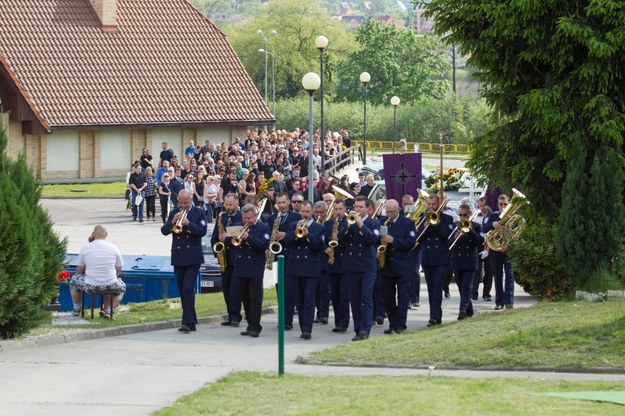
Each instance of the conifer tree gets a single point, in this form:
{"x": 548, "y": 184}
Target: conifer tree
{"x": 32, "y": 253}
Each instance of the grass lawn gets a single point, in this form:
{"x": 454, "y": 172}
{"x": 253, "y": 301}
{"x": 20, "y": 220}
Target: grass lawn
{"x": 208, "y": 304}
{"x": 85, "y": 190}
{"x": 562, "y": 334}
{"x": 249, "y": 393}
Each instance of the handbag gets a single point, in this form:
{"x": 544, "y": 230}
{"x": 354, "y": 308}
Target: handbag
{"x": 138, "y": 199}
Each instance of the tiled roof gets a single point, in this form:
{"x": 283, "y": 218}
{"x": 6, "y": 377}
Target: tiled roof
{"x": 165, "y": 63}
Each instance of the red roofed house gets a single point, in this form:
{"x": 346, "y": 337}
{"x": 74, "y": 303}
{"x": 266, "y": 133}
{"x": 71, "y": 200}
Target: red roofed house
{"x": 86, "y": 84}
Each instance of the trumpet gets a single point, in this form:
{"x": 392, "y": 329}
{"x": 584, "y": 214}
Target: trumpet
{"x": 177, "y": 228}
{"x": 237, "y": 241}
{"x": 300, "y": 230}
{"x": 352, "y": 217}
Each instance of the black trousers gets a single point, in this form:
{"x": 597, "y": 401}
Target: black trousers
{"x": 252, "y": 295}
{"x": 483, "y": 265}
{"x": 186, "y": 278}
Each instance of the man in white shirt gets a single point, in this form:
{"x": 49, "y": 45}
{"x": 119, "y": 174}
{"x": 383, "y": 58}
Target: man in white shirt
{"x": 98, "y": 267}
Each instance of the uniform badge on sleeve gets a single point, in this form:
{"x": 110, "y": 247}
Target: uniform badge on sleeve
{"x": 266, "y": 237}
{"x": 412, "y": 234}
{"x": 376, "y": 232}
{"x": 203, "y": 223}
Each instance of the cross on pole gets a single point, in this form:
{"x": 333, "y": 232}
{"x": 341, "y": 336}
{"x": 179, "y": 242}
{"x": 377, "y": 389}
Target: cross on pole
{"x": 403, "y": 176}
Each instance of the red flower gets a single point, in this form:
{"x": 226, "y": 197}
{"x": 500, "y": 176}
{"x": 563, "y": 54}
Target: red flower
{"x": 63, "y": 276}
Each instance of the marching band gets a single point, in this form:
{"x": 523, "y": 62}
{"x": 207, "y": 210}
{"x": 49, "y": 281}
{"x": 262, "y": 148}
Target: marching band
{"x": 332, "y": 253}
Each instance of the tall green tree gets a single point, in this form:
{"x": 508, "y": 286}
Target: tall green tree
{"x": 32, "y": 253}
{"x": 554, "y": 72}
{"x": 401, "y": 62}
{"x": 297, "y": 23}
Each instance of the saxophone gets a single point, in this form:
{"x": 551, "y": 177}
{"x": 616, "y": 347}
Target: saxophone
{"x": 382, "y": 249}
{"x": 274, "y": 246}
{"x": 220, "y": 248}
{"x": 334, "y": 242}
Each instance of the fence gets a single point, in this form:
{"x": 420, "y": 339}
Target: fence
{"x": 342, "y": 159}
{"x": 423, "y": 147}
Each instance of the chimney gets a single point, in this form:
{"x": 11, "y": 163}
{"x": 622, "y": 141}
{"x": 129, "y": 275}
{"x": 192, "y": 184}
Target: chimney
{"x": 107, "y": 13}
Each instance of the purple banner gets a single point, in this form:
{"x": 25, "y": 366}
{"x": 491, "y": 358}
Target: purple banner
{"x": 402, "y": 175}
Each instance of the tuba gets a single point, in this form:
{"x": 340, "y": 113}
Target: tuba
{"x": 177, "y": 228}
{"x": 420, "y": 206}
{"x": 511, "y": 224}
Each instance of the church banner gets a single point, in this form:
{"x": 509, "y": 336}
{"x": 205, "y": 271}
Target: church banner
{"x": 402, "y": 174}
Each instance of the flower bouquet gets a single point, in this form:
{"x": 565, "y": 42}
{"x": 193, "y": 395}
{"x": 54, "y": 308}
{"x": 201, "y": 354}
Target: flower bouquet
{"x": 63, "y": 276}
{"x": 452, "y": 180}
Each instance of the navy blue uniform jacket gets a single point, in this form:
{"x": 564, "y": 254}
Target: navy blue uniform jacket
{"x": 186, "y": 247}
{"x": 250, "y": 260}
{"x": 399, "y": 255}
{"x": 305, "y": 253}
{"x": 360, "y": 246}
{"x": 434, "y": 242}
{"x": 464, "y": 255}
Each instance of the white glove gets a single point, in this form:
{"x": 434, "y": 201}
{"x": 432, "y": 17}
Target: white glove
{"x": 483, "y": 254}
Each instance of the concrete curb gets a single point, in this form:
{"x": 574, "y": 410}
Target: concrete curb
{"x": 538, "y": 369}
{"x": 18, "y": 344}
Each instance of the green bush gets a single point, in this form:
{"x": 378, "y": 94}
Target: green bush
{"x": 536, "y": 267}
{"x": 460, "y": 119}
{"x": 32, "y": 253}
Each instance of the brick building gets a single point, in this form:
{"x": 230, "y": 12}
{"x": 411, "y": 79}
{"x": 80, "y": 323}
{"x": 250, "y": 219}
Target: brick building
{"x": 86, "y": 84}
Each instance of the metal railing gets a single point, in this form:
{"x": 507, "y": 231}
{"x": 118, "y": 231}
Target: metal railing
{"x": 342, "y": 160}
{"x": 423, "y": 147}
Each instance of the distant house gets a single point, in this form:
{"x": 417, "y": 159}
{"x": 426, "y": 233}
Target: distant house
{"x": 86, "y": 84}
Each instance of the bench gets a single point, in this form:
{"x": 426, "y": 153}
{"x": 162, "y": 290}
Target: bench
{"x": 93, "y": 293}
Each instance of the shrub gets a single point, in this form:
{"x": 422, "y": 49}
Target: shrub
{"x": 32, "y": 253}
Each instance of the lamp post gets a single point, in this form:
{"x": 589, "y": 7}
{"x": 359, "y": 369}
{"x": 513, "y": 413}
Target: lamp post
{"x": 365, "y": 77}
{"x": 394, "y": 102}
{"x": 321, "y": 43}
{"x": 273, "y": 79}
{"x": 272, "y": 33}
{"x": 310, "y": 82}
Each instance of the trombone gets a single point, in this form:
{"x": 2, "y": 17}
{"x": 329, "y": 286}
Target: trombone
{"x": 177, "y": 228}
{"x": 237, "y": 241}
{"x": 465, "y": 226}
{"x": 431, "y": 218}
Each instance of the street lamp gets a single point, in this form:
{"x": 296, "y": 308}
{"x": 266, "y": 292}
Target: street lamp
{"x": 310, "y": 82}
{"x": 365, "y": 77}
{"x": 321, "y": 43}
{"x": 272, "y": 33}
{"x": 273, "y": 79}
{"x": 394, "y": 102}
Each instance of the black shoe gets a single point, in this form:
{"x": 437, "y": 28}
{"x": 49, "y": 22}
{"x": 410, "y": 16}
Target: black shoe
{"x": 360, "y": 336}
{"x": 389, "y": 331}
{"x": 431, "y": 322}
{"x": 226, "y": 323}
{"x": 323, "y": 321}
{"x": 234, "y": 324}
{"x": 246, "y": 333}
{"x": 254, "y": 334}
{"x": 185, "y": 329}
{"x": 415, "y": 305}
{"x": 474, "y": 297}
{"x": 339, "y": 330}
{"x": 498, "y": 307}
{"x": 141, "y": 220}
{"x": 487, "y": 298}
{"x": 447, "y": 294}
{"x": 316, "y": 321}
{"x": 305, "y": 335}
{"x": 462, "y": 316}
{"x": 379, "y": 320}
{"x": 288, "y": 327}
{"x": 510, "y": 306}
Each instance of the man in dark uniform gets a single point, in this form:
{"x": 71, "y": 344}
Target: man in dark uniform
{"x": 500, "y": 262}
{"x": 322, "y": 298}
{"x": 231, "y": 216}
{"x": 435, "y": 257}
{"x": 186, "y": 254}
{"x": 338, "y": 282}
{"x": 398, "y": 266}
{"x": 250, "y": 267}
{"x": 287, "y": 217}
{"x": 304, "y": 265}
{"x": 360, "y": 265}
{"x": 464, "y": 259}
